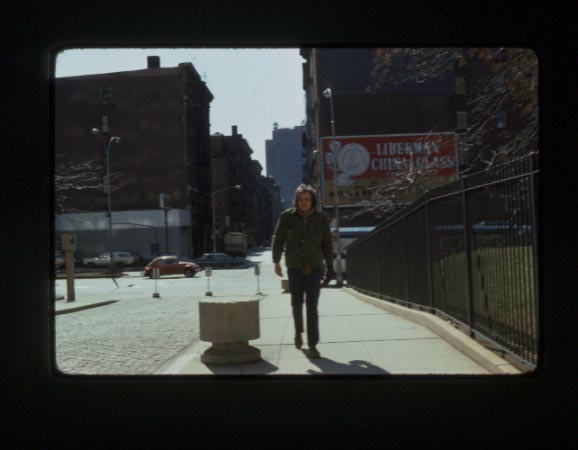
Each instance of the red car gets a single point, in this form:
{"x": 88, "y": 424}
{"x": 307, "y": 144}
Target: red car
{"x": 171, "y": 265}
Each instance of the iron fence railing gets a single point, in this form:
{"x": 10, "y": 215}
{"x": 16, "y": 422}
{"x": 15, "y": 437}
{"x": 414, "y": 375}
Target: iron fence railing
{"x": 466, "y": 251}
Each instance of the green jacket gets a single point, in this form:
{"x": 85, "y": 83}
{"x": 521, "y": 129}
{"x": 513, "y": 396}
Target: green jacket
{"x": 306, "y": 245}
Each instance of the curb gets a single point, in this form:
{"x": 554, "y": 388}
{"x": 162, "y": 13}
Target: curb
{"x": 81, "y": 308}
{"x": 88, "y": 275}
{"x": 477, "y": 352}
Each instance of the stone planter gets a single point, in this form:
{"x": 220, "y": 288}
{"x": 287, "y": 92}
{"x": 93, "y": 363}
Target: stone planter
{"x": 229, "y": 325}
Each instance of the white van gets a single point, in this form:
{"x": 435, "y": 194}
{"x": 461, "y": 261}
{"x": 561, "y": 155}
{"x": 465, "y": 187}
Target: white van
{"x": 102, "y": 260}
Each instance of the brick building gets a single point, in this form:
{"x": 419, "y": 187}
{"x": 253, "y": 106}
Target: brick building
{"x": 249, "y": 209}
{"x": 162, "y": 118}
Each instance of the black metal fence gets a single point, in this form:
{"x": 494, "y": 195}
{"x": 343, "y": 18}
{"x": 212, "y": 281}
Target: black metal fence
{"x": 466, "y": 251}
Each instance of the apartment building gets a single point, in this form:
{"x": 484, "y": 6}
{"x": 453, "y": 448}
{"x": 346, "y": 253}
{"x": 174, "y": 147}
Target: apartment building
{"x": 161, "y": 116}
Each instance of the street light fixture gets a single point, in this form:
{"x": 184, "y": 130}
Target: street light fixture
{"x": 338, "y": 273}
{"x": 116, "y": 140}
{"x": 237, "y": 186}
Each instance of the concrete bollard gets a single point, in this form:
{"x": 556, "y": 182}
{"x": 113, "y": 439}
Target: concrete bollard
{"x": 229, "y": 325}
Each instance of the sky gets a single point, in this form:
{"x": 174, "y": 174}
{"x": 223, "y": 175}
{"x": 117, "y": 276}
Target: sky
{"x": 252, "y": 88}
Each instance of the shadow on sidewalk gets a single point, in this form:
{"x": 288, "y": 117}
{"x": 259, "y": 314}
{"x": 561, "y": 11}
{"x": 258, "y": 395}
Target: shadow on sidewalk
{"x": 256, "y": 368}
{"x": 356, "y": 367}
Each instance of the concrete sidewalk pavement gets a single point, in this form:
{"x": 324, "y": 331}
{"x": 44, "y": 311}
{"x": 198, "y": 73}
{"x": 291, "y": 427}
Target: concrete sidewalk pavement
{"x": 359, "y": 335}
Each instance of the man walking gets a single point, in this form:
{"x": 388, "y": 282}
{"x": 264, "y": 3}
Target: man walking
{"x": 304, "y": 235}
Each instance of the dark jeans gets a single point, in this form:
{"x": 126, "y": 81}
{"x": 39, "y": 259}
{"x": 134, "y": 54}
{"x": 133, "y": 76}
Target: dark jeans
{"x": 305, "y": 287}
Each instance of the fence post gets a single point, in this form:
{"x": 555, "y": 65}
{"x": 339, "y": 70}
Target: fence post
{"x": 406, "y": 251}
{"x": 468, "y": 256}
{"x": 534, "y": 180}
{"x": 428, "y": 251}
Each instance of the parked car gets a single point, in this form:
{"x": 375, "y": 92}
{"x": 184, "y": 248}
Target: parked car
{"x": 266, "y": 244}
{"x": 103, "y": 260}
{"x": 219, "y": 260}
{"x": 171, "y": 265}
{"x": 138, "y": 258}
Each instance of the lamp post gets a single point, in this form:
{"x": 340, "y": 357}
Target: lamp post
{"x": 339, "y": 275}
{"x": 116, "y": 140}
{"x": 237, "y": 186}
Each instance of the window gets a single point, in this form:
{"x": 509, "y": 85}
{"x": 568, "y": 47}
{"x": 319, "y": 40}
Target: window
{"x": 107, "y": 96}
{"x": 461, "y": 120}
{"x": 460, "y": 85}
{"x": 500, "y": 85}
{"x": 502, "y": 119}
{"x": 104, "y": 123}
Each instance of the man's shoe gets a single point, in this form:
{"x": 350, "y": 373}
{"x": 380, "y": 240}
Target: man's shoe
{"x": 298, "y": 340}
{"x": 314, "y": 353}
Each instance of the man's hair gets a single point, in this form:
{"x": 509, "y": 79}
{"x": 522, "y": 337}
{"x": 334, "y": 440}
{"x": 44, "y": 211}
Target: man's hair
{"x": 301, "y": 189}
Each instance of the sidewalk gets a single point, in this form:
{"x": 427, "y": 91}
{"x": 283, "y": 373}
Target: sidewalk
{"x": 359, "y": 336}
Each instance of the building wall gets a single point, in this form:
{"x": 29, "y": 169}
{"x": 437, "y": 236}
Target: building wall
{"x": 162, "y": 118}
{"x": 235, "y": 210}
{"x": 268, "y": 210}
{"x": 285, "y": 160}
{"x": 138, "y": 231}
{"x": 147, "y": 114}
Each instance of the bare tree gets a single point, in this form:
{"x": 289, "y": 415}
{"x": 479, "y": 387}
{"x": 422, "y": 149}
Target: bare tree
{"x": 393, "y": 193}
{"x": 498, "y": 79}
{"x": 71, "y": 176}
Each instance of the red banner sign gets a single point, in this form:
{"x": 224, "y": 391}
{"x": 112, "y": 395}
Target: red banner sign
{"x": 363, "y": 161}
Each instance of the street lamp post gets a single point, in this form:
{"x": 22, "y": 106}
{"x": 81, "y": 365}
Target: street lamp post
{"x": 338, "y": 273}
{"x": 237, "y": 186}
{"x": 116, "y": 140}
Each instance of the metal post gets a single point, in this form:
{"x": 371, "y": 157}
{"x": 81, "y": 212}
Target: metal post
{"x": 110, "y": 253}
{"x": 428, "y": 253}
{"x": 110, "y": 257}
{"x": 338, "y": 272}
{"x": 112, "y": 139}
{"x": 69, "y": 264}
{"x": 257, "y": 273}
{"x": 166, "y": 231}
{"x": 468, "y": 251}
{"x": 534, "y": 180}
{"x": 214, "y": 228}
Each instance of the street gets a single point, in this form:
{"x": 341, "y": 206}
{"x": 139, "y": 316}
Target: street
{"x": 138, "y": 333}
{"x": 125, "y": 330}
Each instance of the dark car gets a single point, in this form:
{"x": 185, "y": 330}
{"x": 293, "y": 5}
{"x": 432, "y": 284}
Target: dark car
{"x": 219, "y": 260}
{"x": 139, "y": 260}
{"x": 266, "y": 244}
{"x": 171, "y": 265}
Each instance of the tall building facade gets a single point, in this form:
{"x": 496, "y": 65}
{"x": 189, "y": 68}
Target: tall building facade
{"x": 235, "y": 209}
{"x": 285, "y": 160}
{"x": 162, "y": 118}
{"x": 268, "y": 204}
